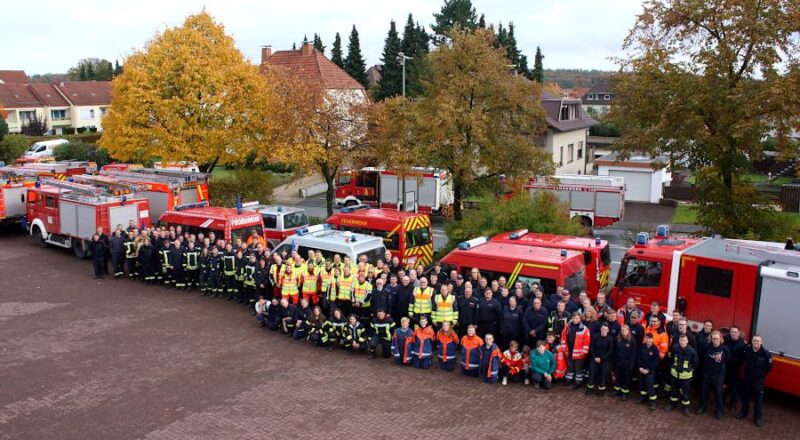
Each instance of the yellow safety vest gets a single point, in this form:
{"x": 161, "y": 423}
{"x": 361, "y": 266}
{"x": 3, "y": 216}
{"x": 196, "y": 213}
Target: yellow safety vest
{"x": 345, "y": 287}
{"x": 422, "y": 301}
{"x": 444, "y": 309}
{"x": 360, "y": 292}
{"x": 289, "y": 284}
{"x": 310, "y": 282}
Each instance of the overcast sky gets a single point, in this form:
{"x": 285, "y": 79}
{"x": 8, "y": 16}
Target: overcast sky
{"x": 51, "y": 36}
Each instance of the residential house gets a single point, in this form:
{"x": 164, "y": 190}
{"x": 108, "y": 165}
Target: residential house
{"x": 567, "y": 129}
{"x": 645, "y": 176}
{"x": 598, "y": 98}
{"x": 66, "y": 104}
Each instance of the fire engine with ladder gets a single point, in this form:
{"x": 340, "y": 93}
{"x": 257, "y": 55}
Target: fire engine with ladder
{"x": 66, "y": 214}
{"x": 14, "y": 186}
{"x": 595, "y": 201}
{"x": 164, "y": 189}
{"x": 754, "y": 285}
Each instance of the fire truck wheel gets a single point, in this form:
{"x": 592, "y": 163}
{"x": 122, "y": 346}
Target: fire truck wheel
{"x": 37, "y": 233}
{"x": 81, "y": 249}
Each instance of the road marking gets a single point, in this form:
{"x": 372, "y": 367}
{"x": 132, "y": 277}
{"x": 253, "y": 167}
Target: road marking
{"x": 615, "y": 246}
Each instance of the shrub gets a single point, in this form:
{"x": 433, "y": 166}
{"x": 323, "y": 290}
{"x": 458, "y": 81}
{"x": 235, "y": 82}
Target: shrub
{"x": 68, "y": 130}
{"x": 93, "y": 129}
{"x": 13, "y": 146}
{"x": 3, "y": 126}
{"x": 81, "y": 130}
{"x": 247, "y": 184}
{"x": 82, "y": 151}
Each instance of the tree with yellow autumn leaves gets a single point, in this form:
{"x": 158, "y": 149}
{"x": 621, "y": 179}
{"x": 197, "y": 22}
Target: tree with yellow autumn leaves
{"x": 191, "y": 95}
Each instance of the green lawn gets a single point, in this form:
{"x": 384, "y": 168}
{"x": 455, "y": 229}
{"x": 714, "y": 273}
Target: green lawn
{"x": 687, "y": 215}
{"x": 755, "y": 178}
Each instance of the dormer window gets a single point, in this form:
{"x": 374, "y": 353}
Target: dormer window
{"x": 569, "y": 112}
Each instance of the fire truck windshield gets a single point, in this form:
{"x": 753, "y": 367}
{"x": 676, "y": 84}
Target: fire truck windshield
{"x": 605, "y": 256}
{"x": 418, "y": 237}
{"x": 245, "y": 232}
{"x": 576, "y": 282}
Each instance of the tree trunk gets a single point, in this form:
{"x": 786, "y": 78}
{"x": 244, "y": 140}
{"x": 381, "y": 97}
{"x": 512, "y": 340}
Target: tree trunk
{"x": 330, "y": 193}
{"x": 209, "y": 167}
{"x": 458, "y": 194}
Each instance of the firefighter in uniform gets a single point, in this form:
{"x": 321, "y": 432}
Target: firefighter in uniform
{"x": 132, "y": 255}
{"x": 214, "y": 273}
{"x": 275, "y": 271}
{"x": 310, "y": 283}
{"x": 238, "y": 291}
{"x": 191, "y": 265}
{"x": 176, "y": 261}
{"x": 166, "y": 264}
{"x": 289, "y": 281}
{"x": 344, "y": 290}
{"x": 420, "y": 304}
{"x": 118, "y": 240}
{"x": 361, "y": 298}
{"x": 203, "y": 278}
{"x": 325, "y": 276}
{"x": 647, "y": 364}
{"x": 445, "y": 307}
{"x": 382, "y": 330}
{"x": 684, "y": 362}
{"x": 144, "y": 261}
{"x": 249, "y": 281}
{"x": 228, "y": 280}
{"x": 757, "y": 365}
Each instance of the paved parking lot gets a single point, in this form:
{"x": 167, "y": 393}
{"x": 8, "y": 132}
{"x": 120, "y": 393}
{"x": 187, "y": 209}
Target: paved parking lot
{"x": 108, "y": 359}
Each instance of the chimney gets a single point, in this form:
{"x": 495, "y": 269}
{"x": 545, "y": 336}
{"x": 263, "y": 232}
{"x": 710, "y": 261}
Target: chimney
{"x": 266, "y": 52}
{"x": 308, "y": 48}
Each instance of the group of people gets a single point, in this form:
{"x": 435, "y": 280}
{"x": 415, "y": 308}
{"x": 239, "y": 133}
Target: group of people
{"x": 486, "y": 328}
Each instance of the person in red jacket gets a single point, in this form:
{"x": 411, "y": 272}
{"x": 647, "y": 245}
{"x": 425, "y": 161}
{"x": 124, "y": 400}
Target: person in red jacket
{"x": 422, "y": 348}
{"x": 470, "y": 352}
{"x": 512, "y": 365}
{"x": 577, "y": 338}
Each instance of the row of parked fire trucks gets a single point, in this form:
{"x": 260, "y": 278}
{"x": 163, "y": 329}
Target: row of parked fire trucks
{"x": 754, "y": 285}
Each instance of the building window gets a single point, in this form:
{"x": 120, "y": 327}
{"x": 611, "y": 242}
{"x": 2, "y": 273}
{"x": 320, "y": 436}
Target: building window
{"x": 607, "y": 97}
{"x": 564, "y": 113}
{"x": 103, "y": 111}
{"x": 12, "y": 117}
{"x": 714, "y": 281}
{"x": 570, "y": 153}
{"x": 580, "y": 150}
{"x": 27, "y": 116}
{"x": 87, "y": 113}
{"x": 590, "y": 96}
{"x": 561, "y": 157}
{"x": 58, "y": 115}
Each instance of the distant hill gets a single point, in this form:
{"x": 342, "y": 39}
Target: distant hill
{"x": 575, "y": 78}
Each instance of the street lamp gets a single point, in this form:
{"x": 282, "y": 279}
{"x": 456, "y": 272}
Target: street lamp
{"x": 402, "y": 58}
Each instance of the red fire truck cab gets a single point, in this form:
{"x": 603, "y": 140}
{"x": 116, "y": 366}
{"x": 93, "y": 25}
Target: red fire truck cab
{"x": 753, "y": 285}
{"x": 407, "y": 235}
{"x": 227, "y": 223}
{"x": 67, "y": 214}
{"x": 596, "y": 254}
{"x": 548, "y": 267}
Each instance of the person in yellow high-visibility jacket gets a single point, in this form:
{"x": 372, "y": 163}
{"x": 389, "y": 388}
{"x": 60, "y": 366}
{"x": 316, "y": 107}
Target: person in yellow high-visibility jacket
{"x": 310, "y": 283}
{"x": 289, "y": 285}
{"x": 445, "y": 307}
{"x": 421, "y": 304}
{"x": 362, "y": 299}
{"x": 325, "y": 282}
{"x": 344, "y": 291}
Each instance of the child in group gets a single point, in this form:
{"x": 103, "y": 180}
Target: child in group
{"x": 402, "y": 340}
{"x": 490, "y": 360}
{"x": 512, "y": 364}
{"x": 422, "y": 349}
{"x": 446, "y": 347}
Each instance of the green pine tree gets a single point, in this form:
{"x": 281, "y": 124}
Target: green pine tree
{"x": 117, "y": 68}
{"x": 514, "y": 54}
{"x": 336, "y": 52}
{"x": 82, "y": 73}
{"x": 482, "y": 22}
{"x": 90, "y": 75}
{"x": 415, "y": 44}
{"x": 318, "y": 44}
{"x": 454, "y": 13}
{"x": 537, "y": 74}
{"x": 391, "y": 83}
{"x": 354, "y": 64}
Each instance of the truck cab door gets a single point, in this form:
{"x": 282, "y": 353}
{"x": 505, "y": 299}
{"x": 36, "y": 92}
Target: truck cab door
{"x": 710, "y": 292}
{"x": 646, "y": 280}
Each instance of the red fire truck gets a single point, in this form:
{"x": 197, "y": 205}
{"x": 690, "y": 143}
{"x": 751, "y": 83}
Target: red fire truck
{"x": 596, "y": 201}
{"x": 754, "y": 285}
{"x": 165, "y": 189}
{"x": 66, "y": 214}
{"x": 13, "y": 188}
{"x": 227, "y": 223}
{"x": 428, "y": 190}
{"x": 548, "y": 267}
{"x": 596, "y": 254}
{"x": 407, "y": 235}
{"x": 61, "y": 169}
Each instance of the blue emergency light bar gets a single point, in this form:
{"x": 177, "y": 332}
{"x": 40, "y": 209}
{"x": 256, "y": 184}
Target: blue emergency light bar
{"x": 642, "y": 238}
{"x": 312, "y": 229}
{"x": 469, "y": 244}
{"x": 191, "y": 205}
{"x": 348, "y": 209}
{"x": 598, "y": 241}
{"x": 662, "y": 231}
{"x": 518, "y": 234}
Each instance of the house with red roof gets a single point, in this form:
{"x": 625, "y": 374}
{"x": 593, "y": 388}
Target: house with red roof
{"x": 66, "y": 104}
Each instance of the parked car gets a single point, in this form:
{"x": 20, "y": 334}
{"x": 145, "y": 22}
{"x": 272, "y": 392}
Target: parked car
{"x": 44, "y": 148}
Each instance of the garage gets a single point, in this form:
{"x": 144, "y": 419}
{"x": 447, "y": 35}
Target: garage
{"x": 645, "y": 177}
{"x": 637, "y": 185}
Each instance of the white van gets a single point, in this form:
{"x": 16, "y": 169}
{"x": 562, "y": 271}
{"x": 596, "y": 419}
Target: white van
{"x": 332, "y": 241}
{"x": 44, "y": 148}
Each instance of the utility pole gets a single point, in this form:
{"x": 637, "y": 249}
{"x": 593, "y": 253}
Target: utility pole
{"x": 402, "y": 58}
